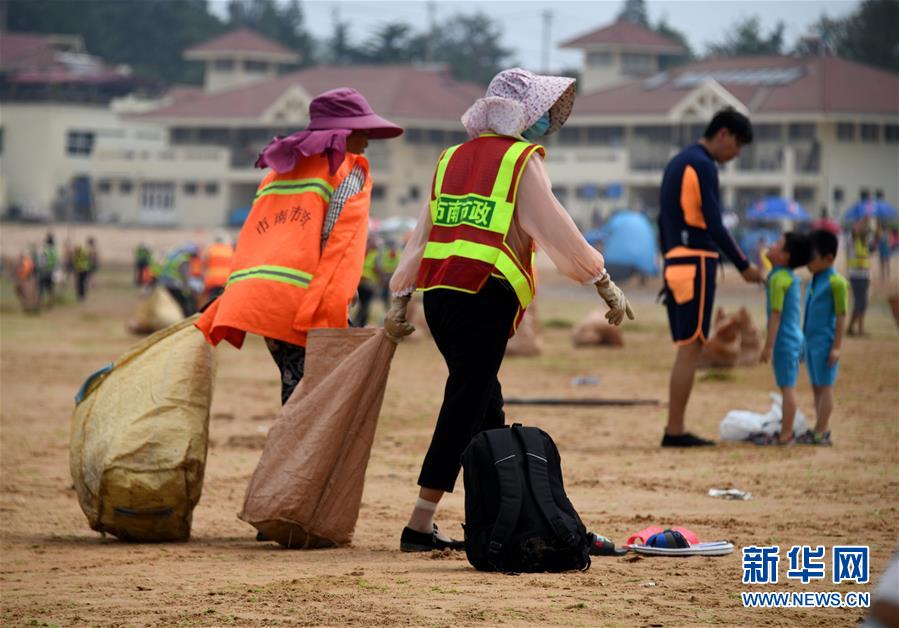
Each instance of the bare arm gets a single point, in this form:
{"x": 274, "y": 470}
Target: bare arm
{"x": 773, "y": 326}
{"x": 834, "y": 356}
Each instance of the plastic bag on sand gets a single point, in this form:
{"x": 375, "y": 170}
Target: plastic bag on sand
{"x": 157, "y": 311}
{"x": 740, "y": 424}
{"x": 139, "y": 437}
{"x": 307, "y": 488}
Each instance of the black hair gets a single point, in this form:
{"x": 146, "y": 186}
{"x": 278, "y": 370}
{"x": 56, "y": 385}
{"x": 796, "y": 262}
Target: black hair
{"x": 799, "y": 247}
{"x": 732, "y": 120}
{"x": 824, "y": 242}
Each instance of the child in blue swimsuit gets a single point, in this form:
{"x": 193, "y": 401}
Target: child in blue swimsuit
{"x": 783, "y": 346}
{"x": 826, "y": 304}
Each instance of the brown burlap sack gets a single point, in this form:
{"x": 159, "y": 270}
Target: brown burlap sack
{"x": 527, "y": 341}
{"x": 28, "y": 294}
{"x": 307, "y": 488}
{"x": 157, "y": 311}
{"x": 751, "y": 339}
{"x": 595, "y": 331}
{"x": 723, "y": 346}
{"x": 894, "y": 306}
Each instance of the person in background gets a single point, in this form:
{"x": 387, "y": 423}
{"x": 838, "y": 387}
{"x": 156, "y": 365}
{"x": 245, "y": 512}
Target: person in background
{"x": 217, "y": 265}
{"x": 368, "y": 283}
{"x": 389, "y": 260}
{"x": 784, "y": 342}
{"x": 859, "y": 265}
{"x": 68, "y": 262}
{"x": 48, "y": 262}
{"x": 884, "y": 250}
{"x": 472, "y": 254}
{"x": 26, "y": 284}
{"x": 82, "y": 262}
{"x": 692, "y": 232}
{"x": 143, "y": 257}
{"x": 174, "y": 276}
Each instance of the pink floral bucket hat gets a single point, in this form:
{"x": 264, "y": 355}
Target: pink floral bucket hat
{"x": 516, "y": 99}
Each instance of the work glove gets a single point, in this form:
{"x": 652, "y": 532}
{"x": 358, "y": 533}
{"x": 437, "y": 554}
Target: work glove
{"x": 615, "y": 299}
{"x": 395, "y": 323}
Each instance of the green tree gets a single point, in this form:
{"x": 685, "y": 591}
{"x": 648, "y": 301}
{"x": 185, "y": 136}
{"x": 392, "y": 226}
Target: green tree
{"x": 634, "y": 11}
{"x": 282, "y": 23}
{"x": 665, "y": 29}
{"x": 471, "y": 45}
{"x": 871, "y": 35}
{"x": 390, "y": 43}
{"x": 746, "y": 39}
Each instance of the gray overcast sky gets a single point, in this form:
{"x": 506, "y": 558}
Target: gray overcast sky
{"x": 703, "y": 21}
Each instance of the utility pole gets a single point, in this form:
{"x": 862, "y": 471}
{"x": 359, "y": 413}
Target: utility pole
{"x": 547, "y": 22}
{"x": 431, "y": 8}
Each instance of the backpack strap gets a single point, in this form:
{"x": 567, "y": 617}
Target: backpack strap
{"x": 538, "y": 471}
{"x": 505, "y": 453}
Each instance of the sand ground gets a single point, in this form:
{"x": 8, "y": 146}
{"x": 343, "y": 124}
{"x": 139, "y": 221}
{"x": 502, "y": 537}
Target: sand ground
{"x": 56, "y": 571}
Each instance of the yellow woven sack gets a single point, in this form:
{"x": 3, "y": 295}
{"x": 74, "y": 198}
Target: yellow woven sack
{"x": 139, "y": 436}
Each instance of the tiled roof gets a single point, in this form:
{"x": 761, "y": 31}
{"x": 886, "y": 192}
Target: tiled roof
{"x": 769, "y": 84}
{"x": 401, "y": 91}
{"x": 625, "y": 34}
{"x": 242, "y": 40}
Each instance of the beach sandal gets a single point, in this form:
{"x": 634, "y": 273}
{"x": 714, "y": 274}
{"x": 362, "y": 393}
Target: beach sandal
{"x": 602, "y": 546}
{"x": 766, "y": 440}
{"x": 643, "y": 536}
{"x": 811, "y": 437}
{"x": 673, "y": 543}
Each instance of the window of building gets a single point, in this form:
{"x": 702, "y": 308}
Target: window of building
{"x": 1, "y": 140}
{"x": 213, "y": 136}
{"x": 190, "y": 188}
{"x": 599, "y": 58}
{"x": 891, "y": 133}
{"x": 864, "y": 193}
{"x": 570, "y": 135}
{"x": 608, "y": 135}
{"x": 104, "y": 186}
{"x": 458, "y": 137}
{"x": 658, "y": 134}
{"x": 378, "y": 192}
{"x": 157, "y": 195}
{"x": 869, "y": 132}
{"x": 414, "y": 193}
{"x": 560, "y": 193}
{"x": 414, "y": 136}
{"x": 223, "y": 65}
{"x": 257, "y": 67}
{"x": 79, "y": 143}
{"x": 125, "y": 186}
{"x": 846, "y": 131}
{"x": 636, "y": 62}
{"x": 802, "y": 131}
{"x": 181, "y": 135}
{"x": 768, "y": 132}
{"x": 838, "y": 195}
{"x": 211, "y": 188}
{"x": 437, "y": 137}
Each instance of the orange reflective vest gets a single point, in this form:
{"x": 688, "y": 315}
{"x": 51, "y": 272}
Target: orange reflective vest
{"x": 281, "y": 283}
{"x": 195, "y": 267}
{"x": 218, "y": 265}
{"x": 472, "y": 206}
{"x": 25, "y": 267}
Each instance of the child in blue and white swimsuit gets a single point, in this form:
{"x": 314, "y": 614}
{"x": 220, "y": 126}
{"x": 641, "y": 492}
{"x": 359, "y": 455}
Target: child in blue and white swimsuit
{"x": 783, "y": 346}
{"x": 826, "y": 304}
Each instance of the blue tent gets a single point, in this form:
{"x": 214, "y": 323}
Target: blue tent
{"x": 777, "y": 208}
{"x": 866, "y": 209}
{"x": 629, "y": 245}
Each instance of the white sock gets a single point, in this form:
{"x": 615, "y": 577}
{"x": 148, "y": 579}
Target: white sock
{"x": 422, "y": 519}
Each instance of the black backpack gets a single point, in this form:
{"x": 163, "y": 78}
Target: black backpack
{"x": 517, "y": 515}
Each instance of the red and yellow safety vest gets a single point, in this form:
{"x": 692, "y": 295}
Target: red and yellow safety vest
{"x": 472, "y": 205}
{"x": 218, "y": 265}
{"x": 281, "y": 283}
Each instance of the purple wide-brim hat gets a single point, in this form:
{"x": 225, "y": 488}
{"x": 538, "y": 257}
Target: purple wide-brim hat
{"x": 345, "y": 108}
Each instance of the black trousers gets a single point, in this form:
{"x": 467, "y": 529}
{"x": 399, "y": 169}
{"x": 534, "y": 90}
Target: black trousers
{"x": 291, "y": 361}
{"x": 471, "y": 332}
{"x": 366, "y": 292}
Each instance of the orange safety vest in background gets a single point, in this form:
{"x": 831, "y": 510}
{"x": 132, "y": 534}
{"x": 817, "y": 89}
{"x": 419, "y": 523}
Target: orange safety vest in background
{"x": 281, "y": 283}
{"x": 25, "y": 268}
{"x": 218, "y": 265}
{"x": 195, "y": 267}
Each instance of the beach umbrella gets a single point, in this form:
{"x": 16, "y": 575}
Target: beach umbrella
{"x": 870, "y": 209}
{"x": 777, "y": 208}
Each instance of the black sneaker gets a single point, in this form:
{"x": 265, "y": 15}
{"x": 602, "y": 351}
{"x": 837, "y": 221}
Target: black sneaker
{"x": 685, "y": 440}
{"x": 412, "y": 541}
